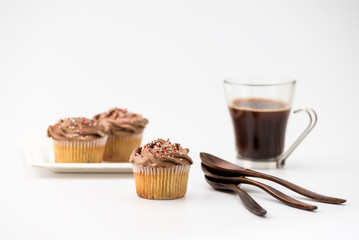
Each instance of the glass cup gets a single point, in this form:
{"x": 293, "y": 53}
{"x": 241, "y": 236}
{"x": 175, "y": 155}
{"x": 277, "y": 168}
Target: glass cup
{"x": 260, "y": 108}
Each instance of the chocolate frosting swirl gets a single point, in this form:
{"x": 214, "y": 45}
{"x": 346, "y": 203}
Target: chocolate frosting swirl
{"x": 75, "y": 129}
{"x": 120, "y": 122}
{"x": 162, "y": 154}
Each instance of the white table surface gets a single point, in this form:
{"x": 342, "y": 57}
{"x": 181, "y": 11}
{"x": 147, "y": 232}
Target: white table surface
{"x": 167, "y": 60}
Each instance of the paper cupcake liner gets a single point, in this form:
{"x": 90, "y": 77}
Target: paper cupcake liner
{"x": 119, "y": 149}
{"x": 89, "y": 151}
{"x": 161, "y": 183}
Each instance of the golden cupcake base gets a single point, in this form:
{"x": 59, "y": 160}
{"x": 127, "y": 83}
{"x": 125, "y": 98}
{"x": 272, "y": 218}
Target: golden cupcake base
{"x": 161, "y": 183}
{"x": 119, "y": 149}
{"x": 89, "y": 151}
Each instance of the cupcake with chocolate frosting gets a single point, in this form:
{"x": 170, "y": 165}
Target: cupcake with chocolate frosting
{"x": 124, "y": 130}
{"x": 77, "y": 140}
{"x": 161, "y": 170}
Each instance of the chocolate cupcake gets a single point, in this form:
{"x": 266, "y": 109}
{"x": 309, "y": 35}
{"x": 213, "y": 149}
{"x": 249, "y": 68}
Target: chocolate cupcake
{"x": 124, "y": 130}
{"x": 161, "y": 170}
{"x": 77, "y": 140}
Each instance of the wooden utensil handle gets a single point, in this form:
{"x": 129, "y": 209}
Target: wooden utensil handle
{"x": 296, "y": 188}
{"x": 280, "y": 196}
{"x": 248, "y": 201}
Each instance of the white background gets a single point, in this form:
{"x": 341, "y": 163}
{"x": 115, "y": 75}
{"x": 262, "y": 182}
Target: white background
{"x": 167, "y": 60}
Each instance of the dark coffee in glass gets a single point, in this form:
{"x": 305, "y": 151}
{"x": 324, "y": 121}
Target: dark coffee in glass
{"x": 259, "y": 127}
{"x": 259, "y": 109}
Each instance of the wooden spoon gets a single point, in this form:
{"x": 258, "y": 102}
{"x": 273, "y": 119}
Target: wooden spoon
{"x": 247, "y": 200}
{"x": 272, "y": 191}
{"x": 231, "y": 169}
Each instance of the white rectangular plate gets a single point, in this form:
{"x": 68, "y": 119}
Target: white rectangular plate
{"x": 39, "y": 153}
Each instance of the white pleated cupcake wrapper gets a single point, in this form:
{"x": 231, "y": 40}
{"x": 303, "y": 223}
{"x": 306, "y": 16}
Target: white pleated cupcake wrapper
{"x": 78, "y": 151}
{"x": 117, "y": 151}
{"x": 129, "y": 137}
{"x": 161, "y": 183}
{"x": 179, "y": 169}
{"x": 81, "y": 144}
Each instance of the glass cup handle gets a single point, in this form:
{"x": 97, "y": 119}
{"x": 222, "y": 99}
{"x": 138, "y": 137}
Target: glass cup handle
{"x": 313, "y": 118}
